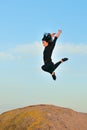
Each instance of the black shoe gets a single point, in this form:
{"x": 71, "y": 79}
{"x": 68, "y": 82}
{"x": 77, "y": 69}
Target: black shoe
{"x": 64, "y": 59}
{"x": 54, "y": 76}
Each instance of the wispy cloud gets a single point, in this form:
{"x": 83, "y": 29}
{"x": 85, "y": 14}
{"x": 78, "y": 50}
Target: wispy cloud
{"x": 32, "y": 49}
{"x": 72, "y": 48}
{"x": 20, "y": 51}
{"x": 6, "y": 56}
{"x": 36, "y": 48}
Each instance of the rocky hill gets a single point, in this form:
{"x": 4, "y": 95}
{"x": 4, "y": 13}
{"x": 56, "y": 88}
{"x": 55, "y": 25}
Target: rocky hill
{"x": 43, "y": 117}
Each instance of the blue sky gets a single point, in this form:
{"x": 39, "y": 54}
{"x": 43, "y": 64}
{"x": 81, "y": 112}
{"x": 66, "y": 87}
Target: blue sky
{"x": 22, "y": 25}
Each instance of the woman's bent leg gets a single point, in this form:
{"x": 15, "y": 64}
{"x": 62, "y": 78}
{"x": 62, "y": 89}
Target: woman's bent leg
{"x": 48, "y": 67}
{"x": 57, "y": 64}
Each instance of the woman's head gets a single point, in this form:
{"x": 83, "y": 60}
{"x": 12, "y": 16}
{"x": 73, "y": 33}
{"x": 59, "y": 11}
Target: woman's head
{"x": 47, "y": 37}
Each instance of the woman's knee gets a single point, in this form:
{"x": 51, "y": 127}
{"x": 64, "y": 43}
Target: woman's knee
{"x": 43, "y": 67}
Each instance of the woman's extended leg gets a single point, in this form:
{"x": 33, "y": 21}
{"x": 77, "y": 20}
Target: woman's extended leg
{"x": 50, "y": 67}
{"x": 58, "y": 63}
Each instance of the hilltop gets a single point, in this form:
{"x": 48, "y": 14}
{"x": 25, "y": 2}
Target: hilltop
{"x": 43, "y": 117}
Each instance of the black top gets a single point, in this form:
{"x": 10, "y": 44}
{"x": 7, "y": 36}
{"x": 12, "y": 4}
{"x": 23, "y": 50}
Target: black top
{"x": 48, "y": 51}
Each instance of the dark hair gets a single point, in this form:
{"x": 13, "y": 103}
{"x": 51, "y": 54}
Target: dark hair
{"x": 47, "y": 37}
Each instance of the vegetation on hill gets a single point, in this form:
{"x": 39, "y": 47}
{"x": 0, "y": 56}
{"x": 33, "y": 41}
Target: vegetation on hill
{"x": 43, "y": 117}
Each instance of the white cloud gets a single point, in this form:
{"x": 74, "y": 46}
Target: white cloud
{"x": 72, "y": 48}
{"x": 20, "y": 51}
{"x": 36, "y": 48}
{"x": 33, "y": 49}
{"x": 6, "y": 56}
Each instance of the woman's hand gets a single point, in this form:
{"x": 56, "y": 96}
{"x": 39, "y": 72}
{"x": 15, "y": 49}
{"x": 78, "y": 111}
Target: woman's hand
{"x": 58, "y": 34}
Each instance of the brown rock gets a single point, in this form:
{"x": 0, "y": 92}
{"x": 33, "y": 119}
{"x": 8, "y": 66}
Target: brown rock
{"x": 43, "y": 117}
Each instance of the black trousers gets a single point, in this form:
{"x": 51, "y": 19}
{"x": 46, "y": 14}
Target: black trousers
{"x": 50, "y": 66}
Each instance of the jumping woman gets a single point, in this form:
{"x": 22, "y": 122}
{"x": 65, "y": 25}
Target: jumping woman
{"x": 49, "y": 41}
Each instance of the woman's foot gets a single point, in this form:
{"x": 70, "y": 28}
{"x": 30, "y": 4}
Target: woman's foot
{"x": 64, "y": 59}
{"x": 53, "y": 76}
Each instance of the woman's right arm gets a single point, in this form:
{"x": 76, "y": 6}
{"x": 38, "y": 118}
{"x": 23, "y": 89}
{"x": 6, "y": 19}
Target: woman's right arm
{"x": 58, "y": 34}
